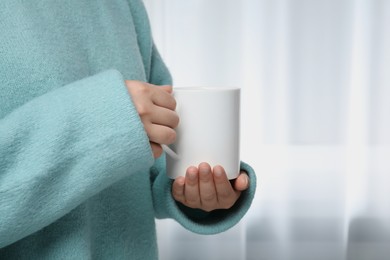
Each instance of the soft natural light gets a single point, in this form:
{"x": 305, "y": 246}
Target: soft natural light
{"x": 315, "y": 121}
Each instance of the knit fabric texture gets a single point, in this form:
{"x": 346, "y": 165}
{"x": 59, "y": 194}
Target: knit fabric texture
{"x": 77, "y": 175}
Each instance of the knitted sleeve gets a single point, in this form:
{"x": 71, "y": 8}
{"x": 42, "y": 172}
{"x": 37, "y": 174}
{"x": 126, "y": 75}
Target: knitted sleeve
{"x": 63, "y": 147}
{"x": 195, "y": 220}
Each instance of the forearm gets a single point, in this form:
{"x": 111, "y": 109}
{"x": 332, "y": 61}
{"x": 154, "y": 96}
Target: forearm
{"x": 64, "y": 147}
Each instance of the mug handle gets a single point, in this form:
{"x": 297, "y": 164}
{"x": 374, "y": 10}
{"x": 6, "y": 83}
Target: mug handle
{"x": 170, "y": 152}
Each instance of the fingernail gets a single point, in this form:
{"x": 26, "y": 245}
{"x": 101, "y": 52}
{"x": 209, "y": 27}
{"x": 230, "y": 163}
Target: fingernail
{"x": 203, "y": 171}
{"x": 192, "y": 175}
{"x": 218, "y": 172}
{"x": 180, "y": 181}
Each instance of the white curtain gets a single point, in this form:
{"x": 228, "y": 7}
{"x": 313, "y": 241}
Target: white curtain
{"x": 315, "y": 79}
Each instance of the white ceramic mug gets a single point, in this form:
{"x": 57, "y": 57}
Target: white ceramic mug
{"x": 209, "y": 130}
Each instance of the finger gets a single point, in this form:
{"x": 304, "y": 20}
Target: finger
{"x": 160, "y": 134}
{"x": 242, "y": 182}
{"x": 178, "y": 189}
{"x": 164, "y": 116}
{"x": 227, "y": 196}
{"x": 208, "y": 194}
{"x": 163, "y": 98}
{"x": 156, "y": 149}
{"x": 191, "y": 188}
{"x": 167, "y": 88}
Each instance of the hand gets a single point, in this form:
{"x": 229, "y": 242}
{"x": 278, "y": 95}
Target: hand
{"x": 156, "y": 107}
{"x": 208, "y": 189}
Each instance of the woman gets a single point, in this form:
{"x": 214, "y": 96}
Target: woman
{"x": 81, "y": 124}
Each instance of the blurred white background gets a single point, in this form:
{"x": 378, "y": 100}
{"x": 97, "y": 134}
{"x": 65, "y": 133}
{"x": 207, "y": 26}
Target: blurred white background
{"x": 315, "y": 79}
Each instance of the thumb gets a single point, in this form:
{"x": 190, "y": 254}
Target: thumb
{"x": 242, "y": 182}
{"x": 167, "y": 88}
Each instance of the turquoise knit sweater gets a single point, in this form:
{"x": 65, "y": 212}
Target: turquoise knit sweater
{"x": 77, "y": 175}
